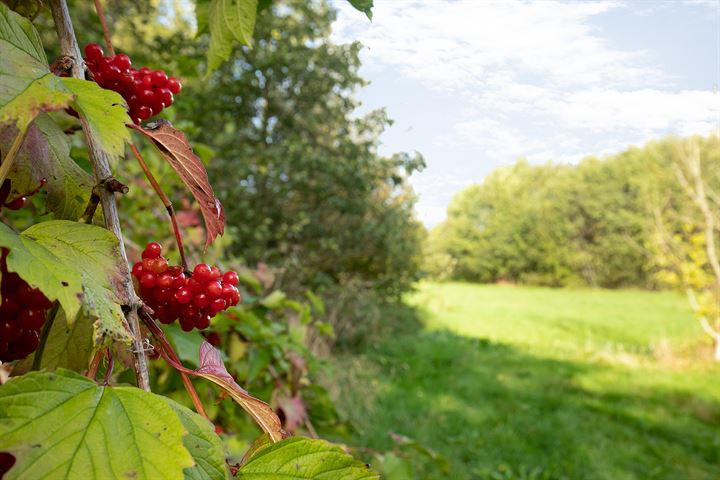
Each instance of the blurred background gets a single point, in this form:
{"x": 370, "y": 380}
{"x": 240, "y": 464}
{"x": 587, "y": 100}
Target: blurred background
{"x": 478, "y": 240}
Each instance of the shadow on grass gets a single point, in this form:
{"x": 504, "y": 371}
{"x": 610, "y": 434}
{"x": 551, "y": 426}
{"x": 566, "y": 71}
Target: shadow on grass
{"x": 488, "y": 407}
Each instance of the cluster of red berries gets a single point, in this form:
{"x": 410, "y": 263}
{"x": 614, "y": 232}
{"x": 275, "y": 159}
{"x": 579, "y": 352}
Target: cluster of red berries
{"x": 172, "y": 294}
{"x": 22, "y": 314}
{"x": 18, "y": 202}
{"x": 146, "y": 91}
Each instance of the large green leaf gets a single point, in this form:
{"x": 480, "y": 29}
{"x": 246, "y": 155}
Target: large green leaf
{"x": 230, "y": 22}
{"x": 64, "y": 426}
{"x": 22, "y": 58}
{"x": 299, "y": 458}
{"x": 72, "y": 263}
{"x": 105, "y": 112}
{"x": 204, "y": 446}
{"x": 46, "y": 155}
{"x": 41, "y": 95}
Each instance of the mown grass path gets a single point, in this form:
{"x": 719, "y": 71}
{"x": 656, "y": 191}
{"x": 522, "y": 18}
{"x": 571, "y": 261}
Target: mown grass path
{"x": 570, "y": 384}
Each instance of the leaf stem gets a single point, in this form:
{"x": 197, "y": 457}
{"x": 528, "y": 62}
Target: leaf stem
{"x": 10, "y": 156}
{"x": 167, "y": 352}
{"x": 166, "y": 202}
{"x": 37, "y": 359}
{"x": 103, "y": 23}
{"x": 101, "y": 170}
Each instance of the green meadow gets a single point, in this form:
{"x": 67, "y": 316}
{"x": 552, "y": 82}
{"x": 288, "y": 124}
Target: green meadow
{"x": 510, "y": 382}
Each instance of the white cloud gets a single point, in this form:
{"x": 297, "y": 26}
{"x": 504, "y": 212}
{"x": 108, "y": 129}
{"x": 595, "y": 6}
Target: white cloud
{"x": 540, "y": 80}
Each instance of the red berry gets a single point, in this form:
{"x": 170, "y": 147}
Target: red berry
{"x": 191, "y": 312}
{"x": 16, "y": 204}
{"x": 203, "y": 322}
{"x": 230, "y": 294}
{"x": 9, "y": 306}
{"x": 165, "y": 280}
{"x": 201, "y": 300}
{"x": 232, "y": 278}
{"x": 174, "y": 85}
{"x": 152, "y": 250}
{"x": 186, "y": 324}
{"x": 202, "y": 272}
{"x": 218, "y": 305}
{"x": 122, "y": 62}
{"x": 157, "y": 265}
{"x": 179, "y": 281}
{"x": 194, "y": 285}
{"x": 147, "y": 96}
{"x": 164, "y": 96}
{"x": 213, "y": 289}
{"x": 159, "y": 78}
{"x": 143, "y": 113}
{"x": 32, "y": 319}
{"x": 183, "y": 295}
{"x": 137, "y": 270}
{"x": 93, "y": 51}
{"x": 148, "y": 280}
{"x": 213, "y": 338}
{"x": 9, "y": 330}
{"x": 162, "y": 295}
{"x": 144, "y": 71}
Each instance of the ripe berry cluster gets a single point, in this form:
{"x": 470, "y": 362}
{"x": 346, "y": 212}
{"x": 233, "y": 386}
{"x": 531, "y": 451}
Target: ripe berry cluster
{"x": 194, "y": 299}
{"x": 18, "y": 202}
{"x": 22, "y": 314}
{"x": 147, "y": 92}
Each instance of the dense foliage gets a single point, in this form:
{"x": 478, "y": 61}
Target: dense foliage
{"x": 593, "y": 223}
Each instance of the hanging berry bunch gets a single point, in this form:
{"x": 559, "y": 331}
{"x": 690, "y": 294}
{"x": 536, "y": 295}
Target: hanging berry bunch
{"x": 22, "y": 314}
{"x": 193, "y": 299}
{"x": 146, "y": 91}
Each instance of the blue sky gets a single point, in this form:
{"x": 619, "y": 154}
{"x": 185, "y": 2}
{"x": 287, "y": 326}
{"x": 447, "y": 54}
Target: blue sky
{"x": 475, "y": 84}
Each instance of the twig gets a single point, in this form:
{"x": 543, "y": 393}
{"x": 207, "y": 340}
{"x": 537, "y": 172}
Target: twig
{"x": 101, "y": 171}
{"x": 166, "y": 202}
{"x": 167, "y": 352}
{"x": 110, "y": 366}
{"x": 37, "y": 359}
{"x": 95, "y": 365}
{"x": 106, "y": 32}
{"x": 9, "y": 159}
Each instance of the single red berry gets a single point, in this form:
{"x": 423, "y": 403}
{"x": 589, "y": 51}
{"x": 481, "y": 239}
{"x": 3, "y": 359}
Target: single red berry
{"x": 143, "y": 113}
{"x": 9, "y": 306}
{"x": 158, "y": 265}
{"x": 232, "y": 278}
{"x": 218, "y": 305}
{"x": 148, "y": 280}
{"x": 32, "y": 318}
{"x": 162, "y": 295}
{"x": 174, "y": 85}
{"x": 179, "y": 281}
{"x": 17, "y": 204}
{"x": 159, "y": 78}
{"x": 165, "y": 280}
{"x": 164, "y": 96}
{"x": 213, "y": 289}
{"x": 186, "y": 324}
{"x": 9, "y": 330}
{"x": 137, "y": 270}
{"x": 144, "y": 71}
{"x": 183, "y": 295}
{"x": 122, "y": 62}
{"x": 201, "y": 300}
{"x": 93, "y": 52}
{"x": 229, "y": 292}
{"x": 203, "y": 322}
{"x": 152, "y": 250}
{"x": 202, "y": 273}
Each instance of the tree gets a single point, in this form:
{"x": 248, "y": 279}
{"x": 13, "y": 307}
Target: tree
{"x": 68, "y": 289}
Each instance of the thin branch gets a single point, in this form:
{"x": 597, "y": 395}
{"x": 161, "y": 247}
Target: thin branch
{"x": 95, "y": 365}
{"x": 9, "y": 159}
{"x": 110, "y": 366}
{"x": 106, "y": 32}
{"x": 165, "y": 200}
{"x": 101, "y": 170}
{"x": 37, "y": 358}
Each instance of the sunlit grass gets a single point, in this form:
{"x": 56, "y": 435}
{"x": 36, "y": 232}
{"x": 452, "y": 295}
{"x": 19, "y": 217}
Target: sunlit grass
{"x": 577, "y": 384}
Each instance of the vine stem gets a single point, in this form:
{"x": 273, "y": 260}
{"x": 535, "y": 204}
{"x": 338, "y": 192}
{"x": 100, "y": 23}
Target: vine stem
{"x": 101, "y": 171}
{"x": 167, "y": 352}
{"x": 166, "y": 202}
{"x": 103, "y": 23}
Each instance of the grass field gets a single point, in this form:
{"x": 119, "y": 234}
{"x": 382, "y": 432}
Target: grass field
{"x": 532, "y": 383}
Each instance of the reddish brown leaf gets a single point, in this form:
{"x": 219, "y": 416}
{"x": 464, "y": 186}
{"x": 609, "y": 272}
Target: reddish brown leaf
{"x": 173, "y": 145}
{"x": 213, "y": 369}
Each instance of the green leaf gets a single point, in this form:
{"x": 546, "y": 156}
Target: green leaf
{"x": 64, "y": 426}
{"x": 275, "y": 300}
{"x": 299, "y": 458}
{"x": 22, "y": 58}
{"x": 230, "y": 21}
{"x": 46, "y": 155}
{"x": 72, "y": 263}
{"x": 42, "y": 95}
{"x": 91, "y": 251}
{"x": 105, "y": 112}
{"x": 186, "y": 344}
{"x": 364, "y": 6}
{"x": 203, "y": 444}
